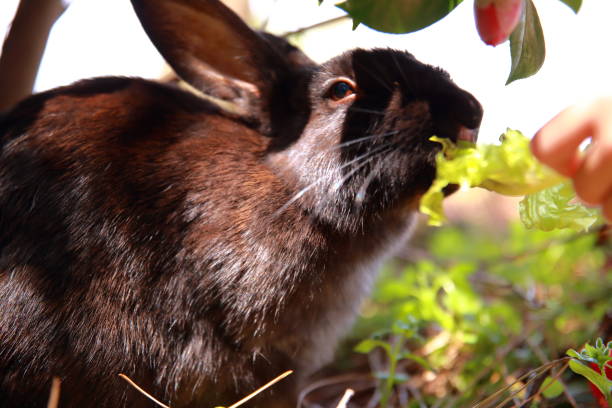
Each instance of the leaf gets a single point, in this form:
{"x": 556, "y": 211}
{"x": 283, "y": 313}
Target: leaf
{"x": 367, "y": 345}
{"x": 602, "y": 383}
{"x": 508, "y": 169}
{"x": 397, "y": 16}
{"x": 555, "y": 207}
{"x": 573, "y": 4}
{"x": 551, "y": 388}
{"x": 417, "y": 359}
{"x": 527, "y": 47}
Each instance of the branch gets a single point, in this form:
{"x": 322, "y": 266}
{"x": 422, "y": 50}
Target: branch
{"x": 24, "y": 46}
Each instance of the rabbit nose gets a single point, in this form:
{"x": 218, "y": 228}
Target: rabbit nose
{"x": 467, "y": 134}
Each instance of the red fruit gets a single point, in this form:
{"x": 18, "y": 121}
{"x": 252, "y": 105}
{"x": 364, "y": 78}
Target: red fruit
{"x": 496, "y": 19}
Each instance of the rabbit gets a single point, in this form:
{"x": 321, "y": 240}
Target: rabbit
{"x": 203, "y": 241}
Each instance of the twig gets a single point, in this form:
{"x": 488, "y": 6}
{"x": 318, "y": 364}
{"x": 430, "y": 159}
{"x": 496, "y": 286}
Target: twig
{"x": 234, "y": 405}
{"x": 540, "y": 354}
{"x": 536, "y": 371}
{"x": 541, "y": 390}
{"x": 55, "y": 393}
{"x": 24, "y": 46}
{"x": 499, "y": 356}
{"x": 146, "y": 394}
{"x": 260, "y": 389}
{"x": 533, "y": 390}
{"x": 332, "y": 381}
{"x": 345, "y": 398}
{"x": 313, "y": 26}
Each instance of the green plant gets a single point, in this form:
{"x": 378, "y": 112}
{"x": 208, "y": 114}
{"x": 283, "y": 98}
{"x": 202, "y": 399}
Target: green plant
{"x": 489, "y": 305}
{"x": 393, "y": 343}
{"x": 598, "y": 357}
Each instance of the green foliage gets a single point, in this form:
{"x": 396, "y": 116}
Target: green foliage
{"x": 489, "y": 305}
{"x": 397, "y": 16}
{"x": 527, "y": 46}
{"x": 401, "y": 331}
{"x": 601, "y": 356}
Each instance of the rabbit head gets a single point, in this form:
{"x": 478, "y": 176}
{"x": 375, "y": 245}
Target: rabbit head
{"x": 350, "y": 136}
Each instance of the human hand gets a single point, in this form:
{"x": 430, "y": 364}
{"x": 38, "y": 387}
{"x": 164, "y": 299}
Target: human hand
{"x": 557, "y": 145}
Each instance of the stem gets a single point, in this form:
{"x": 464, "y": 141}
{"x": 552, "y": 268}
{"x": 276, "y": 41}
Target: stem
{"x": 23, "y": 48}
{"x": 388, "y": 389}
{"x": 317, "y": 25}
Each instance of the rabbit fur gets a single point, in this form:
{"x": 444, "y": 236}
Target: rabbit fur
{"x": 204, "y": 242}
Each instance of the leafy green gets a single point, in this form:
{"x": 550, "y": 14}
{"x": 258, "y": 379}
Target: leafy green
{"x": 555, "y": 207}
{"x": 509, "y": 169}
{"x": 397, "y": 16}
{"x": 527, "y": 46}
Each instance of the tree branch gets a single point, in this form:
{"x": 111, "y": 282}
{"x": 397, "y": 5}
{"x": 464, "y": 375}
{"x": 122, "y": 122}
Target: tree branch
{"x": 23, "y": 48}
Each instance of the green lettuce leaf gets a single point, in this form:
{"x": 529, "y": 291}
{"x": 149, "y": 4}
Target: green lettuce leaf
{"x": 556, "y": 207}
{"x": 509, "y": 169}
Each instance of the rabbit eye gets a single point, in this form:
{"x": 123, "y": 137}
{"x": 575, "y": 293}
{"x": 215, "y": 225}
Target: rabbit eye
{"x": 341, "y": 90}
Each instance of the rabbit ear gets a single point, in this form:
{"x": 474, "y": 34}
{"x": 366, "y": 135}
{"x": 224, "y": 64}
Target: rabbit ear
{"x": 213, "y": 50}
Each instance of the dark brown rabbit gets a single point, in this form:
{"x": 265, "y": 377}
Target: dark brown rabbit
{"x": 200, "y": 244}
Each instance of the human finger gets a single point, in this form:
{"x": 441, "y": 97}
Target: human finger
{"x": 606, "y": 208}
{"x": 593, "y": 179}
{"x": 557, "y": 143}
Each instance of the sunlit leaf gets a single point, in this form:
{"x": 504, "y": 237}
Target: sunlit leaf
{"x": 368, "y": 345}
{"x": 556, "y": 207}
{"x": 598, "y": 380}
{"x": 397, "y": 16}
{"x": 417, "y": 359}
{"x": 527, "y": 47}
{"x": 573, "y": 4}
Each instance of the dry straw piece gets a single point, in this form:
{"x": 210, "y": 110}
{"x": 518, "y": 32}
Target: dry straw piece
{"x": 235, "y": 405}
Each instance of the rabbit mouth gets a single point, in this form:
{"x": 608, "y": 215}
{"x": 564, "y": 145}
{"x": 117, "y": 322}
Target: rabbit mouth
{"x": 450, "y": 189}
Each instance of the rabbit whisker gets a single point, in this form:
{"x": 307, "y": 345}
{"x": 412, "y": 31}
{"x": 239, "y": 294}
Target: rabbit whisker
{"x": 361, "y": 139}
{"x": 386, "y": 150}
{"x": 365, "y": 110}
{"x": 360, "y": 196}
{"x": 309, "y": 187}
{"x": 338, "y": 184}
